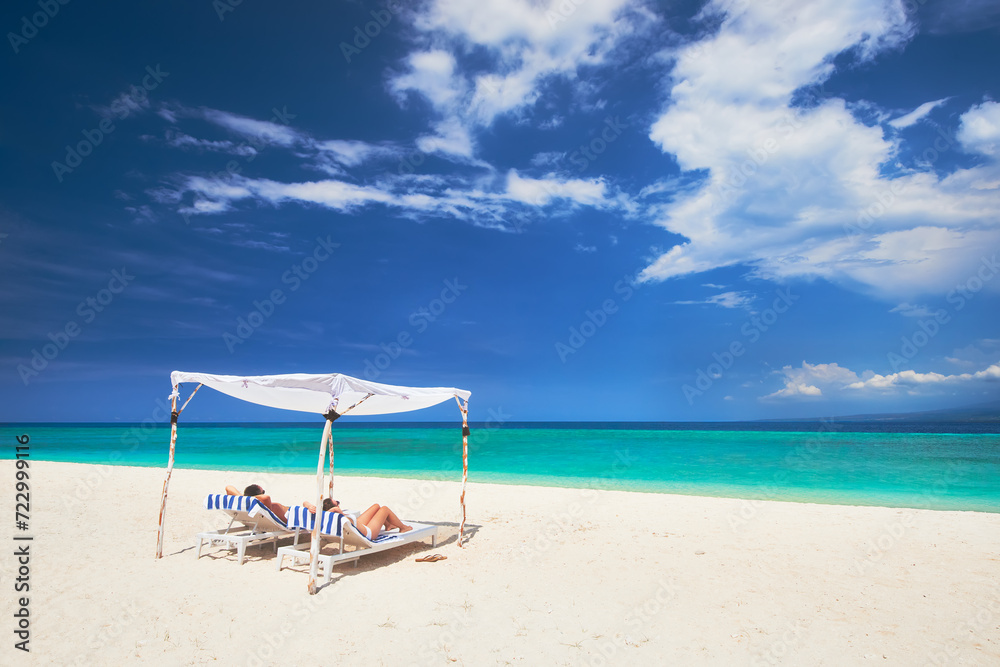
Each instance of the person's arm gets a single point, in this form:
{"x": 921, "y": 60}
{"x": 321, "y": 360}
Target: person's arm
{"x": 232, "y": 491}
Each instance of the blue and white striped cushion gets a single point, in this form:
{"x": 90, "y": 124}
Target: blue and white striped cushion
{"x": 248, "y": 504}
{"x": 223, "y": 501}
{"x": 302, "y": 518}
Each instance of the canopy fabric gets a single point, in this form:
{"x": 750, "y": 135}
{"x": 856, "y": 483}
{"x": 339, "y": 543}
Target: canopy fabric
{"x": 319, "y": 393}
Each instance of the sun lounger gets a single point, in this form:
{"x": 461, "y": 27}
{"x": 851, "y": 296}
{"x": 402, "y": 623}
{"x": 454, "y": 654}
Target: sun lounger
{"x": 335, "y": 527}
{"x": 257, "y": 524}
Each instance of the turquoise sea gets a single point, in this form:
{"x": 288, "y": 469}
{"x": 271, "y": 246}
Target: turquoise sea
{"x": 931, "y": 465}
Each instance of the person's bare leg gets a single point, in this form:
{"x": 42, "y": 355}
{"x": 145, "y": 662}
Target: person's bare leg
{"x": 367, "y": 515}
{"x": 375, "y": 523}
{"x": 385, "y": 517}
{"x": 393, "y": 521}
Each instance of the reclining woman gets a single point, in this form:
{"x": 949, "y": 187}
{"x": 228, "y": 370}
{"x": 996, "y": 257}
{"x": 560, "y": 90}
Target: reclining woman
{"x": 257, "y": 491}
{"x": 371, "y": 522}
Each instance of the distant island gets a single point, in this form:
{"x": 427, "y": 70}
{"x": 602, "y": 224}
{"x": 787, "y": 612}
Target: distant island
{"x": 980, "y": 413}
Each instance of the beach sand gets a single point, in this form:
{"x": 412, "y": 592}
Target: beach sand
{"x": 548, "y": 576}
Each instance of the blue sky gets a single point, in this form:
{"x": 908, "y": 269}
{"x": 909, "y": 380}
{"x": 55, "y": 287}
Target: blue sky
{"x": 578, "y": 210}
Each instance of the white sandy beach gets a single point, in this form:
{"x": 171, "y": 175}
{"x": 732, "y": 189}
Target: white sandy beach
{"x": 548, "y": 576}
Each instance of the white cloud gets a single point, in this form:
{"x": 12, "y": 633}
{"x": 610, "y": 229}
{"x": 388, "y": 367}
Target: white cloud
{"x": 579, "y": 247}
{"x": 541, "y": 191}
{"x": 917, "y": 114}
{"x": 548, "y": 158}
{"x": 910, "y": 379}
{"x": 912, "y": 310}
{"x": 524, "y": 43}
{"x": 181, "y": 140}
{"x": 807, "y": 380}
{"x": 798, "y": 192}
{"x": 814, "y": 380}
{"x": 725, "y": 300}
{"x": 979, "y": 130}
{"x": 498, "y": 208}
{"x": 432, "y": 74}
{"x": 450, "y": 138}
{"x": 353, "y": 153}
{"x": 272, "y": 133}
{"x": 793, "y": 389}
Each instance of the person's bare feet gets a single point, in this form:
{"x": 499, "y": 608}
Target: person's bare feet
{"x": 404, "y": 528}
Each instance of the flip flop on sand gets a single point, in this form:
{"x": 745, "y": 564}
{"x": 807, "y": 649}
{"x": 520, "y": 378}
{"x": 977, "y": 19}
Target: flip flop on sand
{"x": 433, "y": 558}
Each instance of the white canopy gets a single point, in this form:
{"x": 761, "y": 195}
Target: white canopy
{"x": 342, "y": 394}
{"x": 320, "y": 393}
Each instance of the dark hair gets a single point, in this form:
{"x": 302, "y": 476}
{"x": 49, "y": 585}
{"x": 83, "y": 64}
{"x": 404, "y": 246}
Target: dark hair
{"x": 329, "y": 504}
{"x": 253, "y": 490}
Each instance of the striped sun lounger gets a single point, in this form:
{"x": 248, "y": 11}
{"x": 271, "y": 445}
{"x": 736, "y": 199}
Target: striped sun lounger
{"x": 335, "y": 527}
{"x": 255, "y": 524}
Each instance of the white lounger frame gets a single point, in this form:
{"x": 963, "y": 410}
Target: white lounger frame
{"x": 258, "y": 529}
{"x": 362, "y": 545}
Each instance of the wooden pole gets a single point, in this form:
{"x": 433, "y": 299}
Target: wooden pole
{"x": 465, "y": 463}
{"x": 329, "y": 488}
{"x": 170, "y": 468}
{"x": 314, "y": 546}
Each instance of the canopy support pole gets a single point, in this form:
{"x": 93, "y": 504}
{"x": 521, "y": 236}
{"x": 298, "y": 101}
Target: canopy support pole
{"x": 329, "y": 486}
{"x": 465, "y": 462}
{"x": 174, "y": 414}
{"x": 314, "y": 545}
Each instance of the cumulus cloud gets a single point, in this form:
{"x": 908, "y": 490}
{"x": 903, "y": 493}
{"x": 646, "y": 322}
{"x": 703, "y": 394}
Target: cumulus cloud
{"x": 912, "y": 379}
{"x": 979, "y": 131}
{"x": 524, "y": 44}
{"x": 815, "y": 380}
{"x": 807, "y": 380}
{"x": 802, "y": 192}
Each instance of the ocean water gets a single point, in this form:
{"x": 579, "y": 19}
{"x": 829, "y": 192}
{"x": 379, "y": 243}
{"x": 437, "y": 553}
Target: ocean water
{"x": 933, "y": 465}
